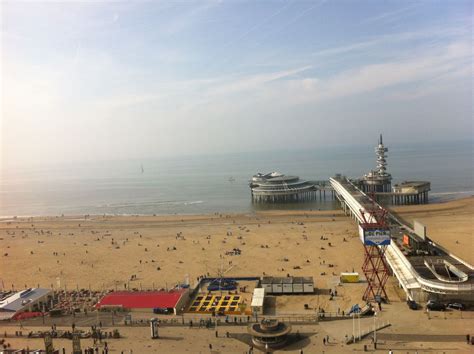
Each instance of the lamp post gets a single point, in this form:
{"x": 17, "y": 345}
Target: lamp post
{"x": 375, "y": 330}
{"x": 359, "y": 324}
{"x": 353, "y": 327}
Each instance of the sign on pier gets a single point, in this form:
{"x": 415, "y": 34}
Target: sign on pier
{"x": 374, "y": 236}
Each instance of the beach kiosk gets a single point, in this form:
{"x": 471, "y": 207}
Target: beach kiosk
{"x": 277, "y": 285}
{"x": 267, "y": 284}
{"x": 349, "y": 277}
{"x": 308, "y": 285}
{"x": 298, "y": 285}
{"x": 287, "y": 285}
{"x": 258, "y": 300}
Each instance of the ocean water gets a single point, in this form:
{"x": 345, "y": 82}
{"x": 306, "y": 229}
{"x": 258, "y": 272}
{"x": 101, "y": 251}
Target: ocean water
{"x": 201, "y": 184}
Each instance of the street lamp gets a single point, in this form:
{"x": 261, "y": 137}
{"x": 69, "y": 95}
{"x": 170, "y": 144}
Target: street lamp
{"x": 353, "y": 327}
{"x": 375, "y": 330}
{"x": 358, "y": 316}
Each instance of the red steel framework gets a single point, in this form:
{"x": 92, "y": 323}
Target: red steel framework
{"x": 375, "y": 266}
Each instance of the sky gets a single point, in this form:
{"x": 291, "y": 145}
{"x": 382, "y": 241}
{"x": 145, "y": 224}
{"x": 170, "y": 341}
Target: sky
{"x": 98, "y": 80}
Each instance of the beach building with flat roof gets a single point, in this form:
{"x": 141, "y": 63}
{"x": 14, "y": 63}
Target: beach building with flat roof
{"x": 258, "y": 300}
{"x": 287, "y": 285}
{"x": 174, "y": 301}
{"x": 29, "y": 300}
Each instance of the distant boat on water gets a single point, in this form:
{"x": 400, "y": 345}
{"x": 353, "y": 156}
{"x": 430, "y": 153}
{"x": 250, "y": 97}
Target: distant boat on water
{"x": 231, "y": 179}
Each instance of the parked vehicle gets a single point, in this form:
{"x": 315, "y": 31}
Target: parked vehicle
{"x": 456, "y": 306}
{"x": 412, "y": 305}
{"x": 161, "y": 310}
{"x": 55, "y": 312}
{"x": 435, "y": 306}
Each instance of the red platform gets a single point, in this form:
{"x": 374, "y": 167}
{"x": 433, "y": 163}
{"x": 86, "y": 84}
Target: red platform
{"x": 142, "y": 299}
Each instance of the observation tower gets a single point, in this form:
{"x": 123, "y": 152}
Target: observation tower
{"x": 378, "y": 180}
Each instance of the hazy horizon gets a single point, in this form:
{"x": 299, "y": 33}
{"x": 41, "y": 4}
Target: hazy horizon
{"x": 202, "y": 183}
{"x": 347, "y": 149}
{"x": 98, "y": 81}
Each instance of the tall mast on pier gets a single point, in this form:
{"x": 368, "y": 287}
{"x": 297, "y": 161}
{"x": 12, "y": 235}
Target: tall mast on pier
{"x": 378, "y": 180}
{"x": 380, "y": 151}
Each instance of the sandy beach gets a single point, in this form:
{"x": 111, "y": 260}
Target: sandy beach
{"x": 102, "y": 252}
{"x": 449, "y": 224}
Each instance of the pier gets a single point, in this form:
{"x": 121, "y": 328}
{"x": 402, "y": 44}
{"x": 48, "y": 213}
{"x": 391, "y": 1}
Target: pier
{"x": 423, "y": 269}
{"x": 278, "y": 188}
{"x": 410, "y": 192}
{"x": 378, "y": 183}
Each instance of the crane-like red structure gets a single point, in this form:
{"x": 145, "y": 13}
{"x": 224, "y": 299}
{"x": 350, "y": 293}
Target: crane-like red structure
{"x": 376, "y": 238}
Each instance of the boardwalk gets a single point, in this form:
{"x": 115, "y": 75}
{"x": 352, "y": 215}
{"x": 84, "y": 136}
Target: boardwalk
{"x": 400, "y": 337}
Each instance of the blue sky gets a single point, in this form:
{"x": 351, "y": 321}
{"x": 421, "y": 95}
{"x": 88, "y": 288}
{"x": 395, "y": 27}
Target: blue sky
{"x": 100, "y": 80}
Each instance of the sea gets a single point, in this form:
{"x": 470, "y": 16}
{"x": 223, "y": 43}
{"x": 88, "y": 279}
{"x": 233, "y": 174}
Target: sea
{"x": 218, "y": 183}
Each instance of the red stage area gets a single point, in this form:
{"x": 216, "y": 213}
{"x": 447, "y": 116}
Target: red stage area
{"x": 142, "y": 299}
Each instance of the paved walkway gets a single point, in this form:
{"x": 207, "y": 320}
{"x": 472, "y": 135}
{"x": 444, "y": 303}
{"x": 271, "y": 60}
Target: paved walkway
{"x": 421, "y": 337}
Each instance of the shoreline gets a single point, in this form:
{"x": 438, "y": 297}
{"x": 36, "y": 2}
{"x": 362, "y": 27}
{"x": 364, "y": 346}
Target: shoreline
{"x": 274, "y": 212}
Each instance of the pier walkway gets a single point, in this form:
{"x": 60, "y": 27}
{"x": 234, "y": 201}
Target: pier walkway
{"x": 428, "y": 272}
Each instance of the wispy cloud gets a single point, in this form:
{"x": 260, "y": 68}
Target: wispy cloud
{"x": 294, "y": 19}
{"x": 391, "y": 16}
{"x": 189, "y": 94}
{"x": 91, "y": 71}
{"x": 395, "y": 39}
{"x": 189, "y": 16}
{"x": 447, "y": 61}
{"x": 300, "y": 85}
{"x": 254, "y": 81}
{"x": 352, "y": 47}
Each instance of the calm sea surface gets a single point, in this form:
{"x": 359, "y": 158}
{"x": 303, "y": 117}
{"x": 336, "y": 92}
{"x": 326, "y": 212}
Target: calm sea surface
{"x": 193, "y": 185}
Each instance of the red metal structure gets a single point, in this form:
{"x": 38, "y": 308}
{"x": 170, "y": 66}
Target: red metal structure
{"x": 375, "y": 266}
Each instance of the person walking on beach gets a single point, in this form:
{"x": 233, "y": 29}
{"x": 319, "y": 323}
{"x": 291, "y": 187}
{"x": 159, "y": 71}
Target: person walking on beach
{"x": 324, "y": 341}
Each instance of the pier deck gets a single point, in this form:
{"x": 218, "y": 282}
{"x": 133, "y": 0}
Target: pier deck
{"x": 430, "y": 271}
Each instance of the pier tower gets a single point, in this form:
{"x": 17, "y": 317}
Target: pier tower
{"x": 375, "y": 235}
{"x": 378, "y": 180}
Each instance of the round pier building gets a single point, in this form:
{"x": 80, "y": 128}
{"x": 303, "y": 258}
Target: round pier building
{"x": 276, "y": 188}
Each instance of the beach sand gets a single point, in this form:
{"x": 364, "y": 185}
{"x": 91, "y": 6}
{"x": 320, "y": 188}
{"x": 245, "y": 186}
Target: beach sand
{"x": 103, "y": 252}
{"x": 449, "y": 224}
